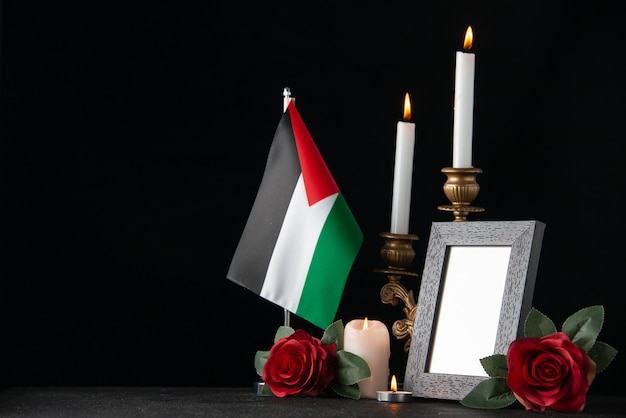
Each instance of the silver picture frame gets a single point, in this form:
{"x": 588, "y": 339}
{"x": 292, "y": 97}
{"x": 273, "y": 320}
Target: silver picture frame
{"x": 476, "y": 288}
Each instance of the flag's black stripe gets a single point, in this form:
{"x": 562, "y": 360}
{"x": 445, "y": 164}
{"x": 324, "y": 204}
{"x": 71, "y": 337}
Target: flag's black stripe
{"x": 258, "y": 240}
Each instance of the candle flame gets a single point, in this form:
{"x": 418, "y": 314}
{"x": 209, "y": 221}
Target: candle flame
{"x": 407, "y": 107}
{"x": 394, "y": 383}
{"x": 365, "y": 323}
{"x": 469, "y": 39}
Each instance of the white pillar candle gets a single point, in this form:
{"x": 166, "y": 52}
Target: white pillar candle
{"x": 403, "y": 172}
{"x": 370, "y": 341}
{"x": 463, "y": 104}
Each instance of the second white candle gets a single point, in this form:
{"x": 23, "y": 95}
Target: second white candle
{"x": 403, "y": 172}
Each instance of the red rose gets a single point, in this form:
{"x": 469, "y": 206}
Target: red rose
{"x": 550, "y": 372}
{"x": 300, "y": 364}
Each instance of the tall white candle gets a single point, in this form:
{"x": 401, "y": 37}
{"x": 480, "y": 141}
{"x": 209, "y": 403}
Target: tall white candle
{"x": 370, "y": 341}
{"x": 403, "y": 172}
{"x": 464, "y": 104}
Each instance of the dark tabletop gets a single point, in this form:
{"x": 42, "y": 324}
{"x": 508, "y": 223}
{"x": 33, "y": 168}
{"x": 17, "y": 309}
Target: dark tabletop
{"x": 122, "y": 402}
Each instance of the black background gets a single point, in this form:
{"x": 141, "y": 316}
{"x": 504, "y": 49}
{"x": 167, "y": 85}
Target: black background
{"x": 134, "y": 137}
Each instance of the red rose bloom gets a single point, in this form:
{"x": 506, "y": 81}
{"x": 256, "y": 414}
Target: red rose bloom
{"x": 550, "y": 372}
{"x": 300, "y": 364}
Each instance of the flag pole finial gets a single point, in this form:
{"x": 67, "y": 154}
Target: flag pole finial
{"x": 286, "y": 98}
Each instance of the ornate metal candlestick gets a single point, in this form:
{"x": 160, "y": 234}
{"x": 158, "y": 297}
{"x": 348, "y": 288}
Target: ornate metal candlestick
{"x": 461, "y": 189}
{"x": 397, "y": 253}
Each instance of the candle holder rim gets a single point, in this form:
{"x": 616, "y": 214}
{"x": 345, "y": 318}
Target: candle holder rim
{"x": 461, "y": 170}
{"x": 412, "y": 237}
{"x": 400, "y": 391}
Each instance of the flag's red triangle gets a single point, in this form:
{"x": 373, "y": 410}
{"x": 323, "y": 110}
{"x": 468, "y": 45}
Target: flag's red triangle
{"x": 318, "y": 181}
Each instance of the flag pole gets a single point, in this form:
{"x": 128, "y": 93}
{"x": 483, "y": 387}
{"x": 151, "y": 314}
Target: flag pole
{"x": 286, "y": 99}
{"x": 258, "y": 386}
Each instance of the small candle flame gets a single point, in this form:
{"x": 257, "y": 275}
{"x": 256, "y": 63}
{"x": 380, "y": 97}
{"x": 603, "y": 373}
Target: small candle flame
{"x": 365, "y": 323}
{"x": 407, "y": 107}
{"x": 469, "y": 39}
{"x": 394, "y": 383}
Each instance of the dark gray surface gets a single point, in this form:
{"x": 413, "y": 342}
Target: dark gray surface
{"x": 123, "y": 402}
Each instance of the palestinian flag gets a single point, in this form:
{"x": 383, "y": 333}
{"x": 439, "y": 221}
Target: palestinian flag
{"x": 301, "y": 238}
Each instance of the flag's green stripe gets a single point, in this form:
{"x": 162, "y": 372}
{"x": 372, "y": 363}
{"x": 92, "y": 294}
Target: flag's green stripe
{"x": 337, "y": 247}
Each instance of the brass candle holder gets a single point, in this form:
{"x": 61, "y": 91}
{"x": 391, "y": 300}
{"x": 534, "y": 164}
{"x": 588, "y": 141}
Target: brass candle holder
{"x": 398, "y": 253}
{"x": 461, "y": 189}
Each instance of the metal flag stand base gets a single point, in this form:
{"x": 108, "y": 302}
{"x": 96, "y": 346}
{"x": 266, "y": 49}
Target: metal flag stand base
{"x": 257, "y": 387}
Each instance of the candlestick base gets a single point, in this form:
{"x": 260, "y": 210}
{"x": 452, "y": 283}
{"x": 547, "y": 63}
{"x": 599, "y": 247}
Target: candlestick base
{"x": 397, "y": 253}
{"x": 461, "y": 188}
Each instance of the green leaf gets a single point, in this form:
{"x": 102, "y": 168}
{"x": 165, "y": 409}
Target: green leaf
{"x": 538, "y": 325}
{"x": 603, "y": 354}
{"x": 492, "y": 393}
{"x": 495, "y": 365}
{"x": 260, "y": 359}
{"x": 282, "y": 332}
{"x": 584, "y": 326}
{"x": 334, "y": 334}
{"x": 350, "y": 368}
{"x": 347, "y": 391}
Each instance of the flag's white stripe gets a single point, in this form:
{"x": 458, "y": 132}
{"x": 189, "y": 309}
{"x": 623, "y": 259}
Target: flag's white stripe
{"x": 294, "y": 249}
